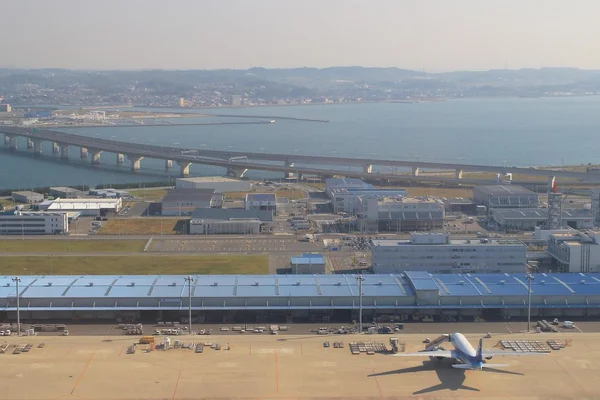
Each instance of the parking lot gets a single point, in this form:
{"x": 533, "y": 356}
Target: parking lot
{"x": 226, "y": 244}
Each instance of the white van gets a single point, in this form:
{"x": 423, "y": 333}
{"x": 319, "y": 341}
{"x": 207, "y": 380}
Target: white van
{"x": 568, "y": 325}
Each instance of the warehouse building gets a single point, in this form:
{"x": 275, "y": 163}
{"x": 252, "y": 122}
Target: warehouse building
{"x": 462, "y": 205}
{"x": 64, "y": 192}
{"x": 261, "y": 201}
{"x": 308, "y": 263}
{"x": 437, "y": 252}
{"x": 218, "y": 183}
{"x": 345, "y": 183}
{"x": 33, "y": 223}
{"x": 183, "y": 202}
{"x": 575, "y": 251}
{"x": 85, "y": 207}
{"x": 529, "y": 218}
{"x": 27, "y": 196}
{"x": 346, "y": 200}
{"x": 298, "y": 298}
{"x": 505, "y": 196}
{"x": 228, "y": 221}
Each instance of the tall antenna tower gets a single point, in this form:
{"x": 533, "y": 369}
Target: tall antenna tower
{"x": 554, "y": 205}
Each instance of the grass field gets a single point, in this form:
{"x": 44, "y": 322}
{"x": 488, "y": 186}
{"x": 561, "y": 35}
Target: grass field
{"x": 149, "y": 194}
{"x": 137, "y": 265}
{"x": 7, "y": 203}
{"x": 142, "y": 226}
{"x": 71, "y": 246}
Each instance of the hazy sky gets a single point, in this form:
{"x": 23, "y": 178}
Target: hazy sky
{"x": 437, "y": 35}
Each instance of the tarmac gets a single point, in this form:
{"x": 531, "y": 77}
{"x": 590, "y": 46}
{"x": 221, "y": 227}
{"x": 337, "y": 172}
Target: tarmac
{"x": 288, "y": 367}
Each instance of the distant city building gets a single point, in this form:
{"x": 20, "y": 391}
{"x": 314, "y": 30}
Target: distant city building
{"x": 437, "y": 252}
{"x": 5, "y": 108}
{"x": 505, "y": 196}
{"x": 85, "y": 207}
{"x": 261, "y": 201}
{"x": 575, "y": 251}
{"x": 308, "y": 263}
{"x": 218, "y": 183}
{"x": 219, "y": 221}
{"x": 530, "y": 218}
{"x": 65, "y": 192}
{"x": 183, "y": 202}
{"x": 236, "y": 100}
{"x": 27, "y": 196}
{"x": 33, "y": 223}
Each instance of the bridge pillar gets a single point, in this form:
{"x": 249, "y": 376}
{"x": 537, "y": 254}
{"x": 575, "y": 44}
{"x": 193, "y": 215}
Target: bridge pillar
{"x": 239, "y": 172}
{"x": 37, "y": 146}
{"x": 55, "y": 148}
{"x": 459, "y": 174}
{"x": 84, "y": 152}
{"x": 10, "y": 141}
{"x": 368, "y": 169}
{"x": 64, "y": 152}
{"x": 120, "y": 158}
{"x": 6, "y": 140}
{"x": 29, "y": 143}
{"x": 96, "y": 156}
{"x": 415, "y": 171}
{"x": 168, "y": 164}
{"x": 185, "y": 168}
{"x": 135, "y": 162}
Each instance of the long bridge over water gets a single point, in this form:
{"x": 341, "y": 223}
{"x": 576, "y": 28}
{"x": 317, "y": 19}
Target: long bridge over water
{"x": 238, "y": 162}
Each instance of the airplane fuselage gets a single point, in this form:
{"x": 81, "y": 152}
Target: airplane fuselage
{"x": 465, "y": 353}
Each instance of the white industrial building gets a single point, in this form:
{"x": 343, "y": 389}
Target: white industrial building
{"x": 437, "y": 252}
{"x": 505, "y": 196}
{"x": 261, "y": 201}
{"x": 183, "y": 202}
{"x": 218, "y": 183}
{"x": 86, "y": 207}
{"x": 224, "y": 221}
{"x": 27, "y": 196}
{"x": 399, "y": 214}
{"x": 346, "y": 200}
{"x": 34, "y": 223}
{"x": 64, "y": 192}
{"x": 575, "y": 251}
{"x": 529, "y": 218}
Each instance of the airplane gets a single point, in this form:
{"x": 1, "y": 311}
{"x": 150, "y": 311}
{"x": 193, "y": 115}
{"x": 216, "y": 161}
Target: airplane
{"x": 467, "y": 357}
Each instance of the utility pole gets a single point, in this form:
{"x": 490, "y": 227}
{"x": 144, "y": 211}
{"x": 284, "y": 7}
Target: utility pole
{"x": 529, "y": 278}
{"x": 360, "y": 280}
{"x": 16, "y": 279}
{"x": 189, "y": 280}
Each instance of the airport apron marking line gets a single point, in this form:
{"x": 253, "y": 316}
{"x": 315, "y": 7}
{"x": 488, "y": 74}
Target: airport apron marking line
{"x": 83, "y": 372}
{"x": 276, "y": 372}
{"x": 377, "y": 383}
{"x": 176, "y": 384}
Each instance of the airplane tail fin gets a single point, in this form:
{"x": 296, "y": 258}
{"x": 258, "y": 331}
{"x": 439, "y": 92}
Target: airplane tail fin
{"x": 479, "y": 355}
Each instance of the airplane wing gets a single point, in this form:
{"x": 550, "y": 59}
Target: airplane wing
{"x": 501, "y": 353}
{"x": 435, "y": 353}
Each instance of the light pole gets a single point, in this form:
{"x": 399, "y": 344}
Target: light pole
{"x": 529, "y": 278}
{"x": 360, "y": 280}
{"x": 189, "y": 280}
{"x": 16, "y": 279}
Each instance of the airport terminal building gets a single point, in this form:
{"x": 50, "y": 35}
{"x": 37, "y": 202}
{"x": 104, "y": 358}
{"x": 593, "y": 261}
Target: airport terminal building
{"x": 297, "y": 298}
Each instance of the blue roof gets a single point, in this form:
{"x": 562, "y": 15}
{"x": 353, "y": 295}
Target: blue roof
{"x": 309, "y": 258}
{"x": 159, "y": 287}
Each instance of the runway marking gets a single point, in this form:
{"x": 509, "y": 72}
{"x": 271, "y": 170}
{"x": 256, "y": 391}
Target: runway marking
{"x": 250, "y": 350}
{"x": 176, "y": 384}
{"x": 276, "y": 373}
{"x": 377, "y": 383}
{"x": 301, "y": 350}
{"x": 70, "y": 348}
{"x": 83, "y": 373}
{"x": 121, "y": 352}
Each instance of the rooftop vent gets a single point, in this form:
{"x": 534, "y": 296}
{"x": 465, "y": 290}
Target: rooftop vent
{"x": 461, "y": 282}
{"x": 7, "y": 284}
{"x": 132, "y": 284}
{"x": 542, "y": 282}
{"x": 215, "y": 284}
{"x": 49, "y": 284}
{"x": 502, "y": 282}
{"x": 583, "y": 281}
{"x": 91, "y": 284}
{"x": 298, "y": 283}
{"x": 380, "y": 283}
{"x": 173, "y": 284}
{"x": 338, "y": 283}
